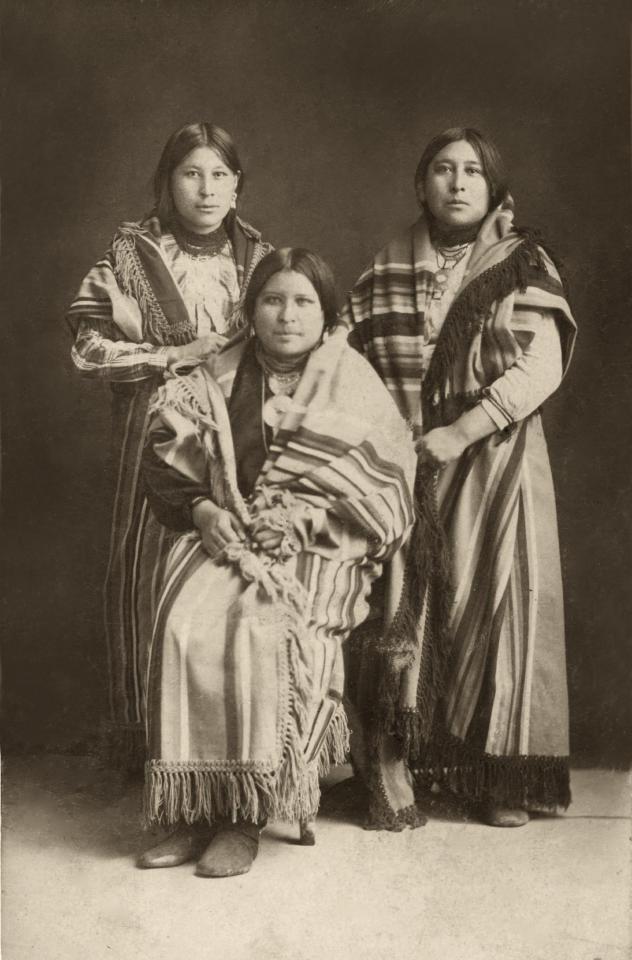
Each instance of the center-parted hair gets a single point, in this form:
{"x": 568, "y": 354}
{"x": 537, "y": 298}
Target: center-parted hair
{"x": 302, "y": 261}
{"x": 178, "y": 146}
{"x": 491, "y": 161}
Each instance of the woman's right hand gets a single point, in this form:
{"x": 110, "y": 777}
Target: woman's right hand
{"x": 197, "y": 349}
{"x": 217, "y": 527}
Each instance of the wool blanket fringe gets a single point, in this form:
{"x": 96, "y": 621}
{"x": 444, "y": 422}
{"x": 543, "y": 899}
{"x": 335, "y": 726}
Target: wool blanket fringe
{"x": 193, "y": 792}
{"x": 465, "y": 320}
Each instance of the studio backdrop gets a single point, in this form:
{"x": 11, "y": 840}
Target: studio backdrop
{"x": 330, "y": 104}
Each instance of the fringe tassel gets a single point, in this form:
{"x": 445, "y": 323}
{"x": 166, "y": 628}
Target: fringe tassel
{"x": 198, "y": 792}
{"x": 516, "y": 781}
{"x": 336, "y": 745}
{"x": 428, "y": 577}
{"x": 467, "y": 314}
{"x": 133, "y": 281}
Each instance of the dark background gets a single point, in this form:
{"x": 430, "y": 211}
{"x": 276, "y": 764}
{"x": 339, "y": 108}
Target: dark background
{"x": 330, "y": 104}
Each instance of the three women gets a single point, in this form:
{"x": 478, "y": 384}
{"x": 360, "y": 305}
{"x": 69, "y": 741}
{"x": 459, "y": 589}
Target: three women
{"x": 170, "y": 288}
{"x": 286, "y": 471}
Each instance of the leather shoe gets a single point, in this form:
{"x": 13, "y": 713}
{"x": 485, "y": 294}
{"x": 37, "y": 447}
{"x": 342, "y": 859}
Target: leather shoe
{"x": 498, "y": 816}
{"x": 181, "y": 846}
{"x": 231, "y": 852}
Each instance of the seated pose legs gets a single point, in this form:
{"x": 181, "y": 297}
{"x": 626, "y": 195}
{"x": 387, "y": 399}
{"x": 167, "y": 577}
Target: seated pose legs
{"x": 287, "y": 471}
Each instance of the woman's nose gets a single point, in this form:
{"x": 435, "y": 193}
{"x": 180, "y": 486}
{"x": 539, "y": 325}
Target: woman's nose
{"x": 458, "y": 181}
{"x": 206, "y": 187}
{"x": 287, "y": 313}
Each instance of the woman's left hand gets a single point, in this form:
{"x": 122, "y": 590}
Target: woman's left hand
{"x": 267, "y": 538}
{"x": 441, "y": 446}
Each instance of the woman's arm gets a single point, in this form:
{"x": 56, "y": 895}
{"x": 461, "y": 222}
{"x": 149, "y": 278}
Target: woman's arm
{"x": 182, "y": 503}
{"x": 99, "y": 352}
{"x": 534, "y": 376}
{"x": 108, "y": 328}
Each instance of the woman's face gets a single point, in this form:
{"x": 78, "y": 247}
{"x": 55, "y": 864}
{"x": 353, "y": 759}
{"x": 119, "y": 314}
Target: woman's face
{"x": 202, "y": 187}
{"x": 288, "y": 318}
{"x": 455, "y": 188}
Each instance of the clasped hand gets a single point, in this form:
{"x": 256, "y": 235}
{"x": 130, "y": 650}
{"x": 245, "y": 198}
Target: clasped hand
{"x": 219, "y": 527}
{"x": 196, "y": 350}
{"x": 441, "y": 446}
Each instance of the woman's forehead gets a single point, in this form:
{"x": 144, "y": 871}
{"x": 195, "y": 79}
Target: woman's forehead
{"x": 289, "y": 281}
{"x": 459, "y": 151}
{"x": 203, "y": 156}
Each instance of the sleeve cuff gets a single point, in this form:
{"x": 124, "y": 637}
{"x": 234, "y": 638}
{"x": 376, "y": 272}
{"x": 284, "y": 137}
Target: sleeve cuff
{"x": 496, "y": 413}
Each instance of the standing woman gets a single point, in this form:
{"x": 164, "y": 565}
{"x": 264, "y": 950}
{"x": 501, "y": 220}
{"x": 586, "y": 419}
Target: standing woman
{"x": 170, "y": 288}
{"x": 465, "y": 319}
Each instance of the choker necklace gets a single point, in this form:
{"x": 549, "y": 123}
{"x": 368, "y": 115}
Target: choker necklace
{"x": 443, "y": 236}
{"x": 451, "y": 256}
{"x": 282, "y": 382}
{"x": 200, "y": 245}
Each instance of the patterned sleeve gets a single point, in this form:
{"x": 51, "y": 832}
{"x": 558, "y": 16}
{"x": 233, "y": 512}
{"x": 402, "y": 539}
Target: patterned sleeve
{"x": 108, "y": 327}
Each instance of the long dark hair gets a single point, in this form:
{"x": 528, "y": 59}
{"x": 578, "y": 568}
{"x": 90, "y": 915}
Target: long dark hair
{"x": 491, "y": 161}
{"x": 177, "y": 147}
{"x": 302, "y": 261}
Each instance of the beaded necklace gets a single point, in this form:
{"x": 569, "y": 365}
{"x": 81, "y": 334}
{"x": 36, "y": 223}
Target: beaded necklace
{"x": 200, "y": 246}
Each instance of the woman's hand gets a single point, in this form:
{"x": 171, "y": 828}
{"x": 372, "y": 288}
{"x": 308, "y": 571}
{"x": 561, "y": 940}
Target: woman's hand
{"x": 217, "y": 527}
{"x": 441, "y": 446}
{"x": 197, "y": 349}
{"x": 267, "y": 538}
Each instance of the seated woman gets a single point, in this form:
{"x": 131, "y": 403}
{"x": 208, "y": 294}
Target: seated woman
{"x": 465, "y": 319}
{"x": 288, "y": 470}
{"x": 169, "y": 287}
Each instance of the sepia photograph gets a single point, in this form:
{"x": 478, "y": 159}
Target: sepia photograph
{"x": 316, "y": 479}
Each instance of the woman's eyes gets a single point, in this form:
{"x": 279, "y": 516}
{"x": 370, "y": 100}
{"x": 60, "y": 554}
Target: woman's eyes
{"x": 217, "y": 174}
{"x": 273, "y": 299}
{"x": 446, "y": 168}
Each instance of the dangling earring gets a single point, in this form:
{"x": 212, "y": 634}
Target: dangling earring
{"x": 233, "y": 201}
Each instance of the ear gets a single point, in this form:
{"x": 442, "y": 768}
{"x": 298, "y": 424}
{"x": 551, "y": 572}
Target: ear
{"x": 421, "y": 193}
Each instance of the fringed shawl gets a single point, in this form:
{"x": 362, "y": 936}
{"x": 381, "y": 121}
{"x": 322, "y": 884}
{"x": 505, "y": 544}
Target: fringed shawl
{"x": 508, "y": 271}
{"x": 339, "y": 473}
{"x": 509, "y": 275}
{"x": 133, "y": 284}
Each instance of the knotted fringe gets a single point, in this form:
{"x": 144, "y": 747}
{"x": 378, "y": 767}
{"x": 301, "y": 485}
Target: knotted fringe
{"x": 468, "y": 312}
{"x": 516, "y": 782}
{"x": 193, "y": 791}
{"x": 335, "y": 748}
{"x": 133, "y": 281}
{"x": 427, "y": 576}
{"x": 381, "y": 815}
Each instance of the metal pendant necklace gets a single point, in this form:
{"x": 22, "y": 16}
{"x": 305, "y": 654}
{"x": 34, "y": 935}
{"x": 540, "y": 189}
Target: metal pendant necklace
{"x": 447, "y": 260}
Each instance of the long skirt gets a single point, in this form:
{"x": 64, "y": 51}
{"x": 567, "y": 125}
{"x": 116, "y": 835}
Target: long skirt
{"x": 501, "y": 726}
{"x": 244, "y": 690}
{"x": 138, "y": 550}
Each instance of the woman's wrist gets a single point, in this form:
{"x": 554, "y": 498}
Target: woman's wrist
{"x": 201, "y": 507}
{"x": 473, "y": 425}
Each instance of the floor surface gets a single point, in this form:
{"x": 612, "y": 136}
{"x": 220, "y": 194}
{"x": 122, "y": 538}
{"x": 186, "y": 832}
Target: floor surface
{"x": 557, "y": 889}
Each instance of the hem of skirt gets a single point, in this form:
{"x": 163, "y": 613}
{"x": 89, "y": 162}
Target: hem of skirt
{"x": 198, "y": 790}
{"x": 524, "y": 781}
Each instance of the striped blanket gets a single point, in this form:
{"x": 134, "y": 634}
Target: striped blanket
{"x": 483, "y": 700}
{"x": 246, "y": 673}
{"x": 130, "y": 301}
